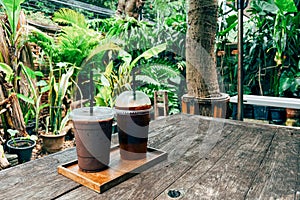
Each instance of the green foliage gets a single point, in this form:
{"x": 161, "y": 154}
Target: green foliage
{"x": 277, "y": 25}
{"x": 74, "y": 45}
{"x": 112, "y": 81}
{"x": 12, "y": 9}
{"x": 14, "y": 47}
{"x": 156, "y": 10}
{"x": 70, "y": 17}
{"x": 290, "y": 82}
{"x": 75, "y": 42}
{"x": 271, "y": 43}
{"x": 136, "y": 37}
{"x": 161, "y": 76}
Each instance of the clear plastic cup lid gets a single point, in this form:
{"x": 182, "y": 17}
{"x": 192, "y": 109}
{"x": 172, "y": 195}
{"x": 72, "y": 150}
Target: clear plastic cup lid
{"x": 99, "y": 113}
{"x": 126, "y": 102}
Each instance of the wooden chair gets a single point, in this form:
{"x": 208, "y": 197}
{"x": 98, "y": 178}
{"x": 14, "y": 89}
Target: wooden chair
{"x": 160, "y": 102}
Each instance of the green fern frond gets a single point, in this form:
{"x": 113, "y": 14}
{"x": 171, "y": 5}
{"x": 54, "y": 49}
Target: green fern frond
{"x": 162, "y": 70}
{"x": 147, "y": 79}
{"x": 68, "y": 16}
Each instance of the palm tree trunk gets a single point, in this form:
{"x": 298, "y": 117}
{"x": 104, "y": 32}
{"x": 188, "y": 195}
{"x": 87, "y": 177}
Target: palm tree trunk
{"x": 201, "y": 75}
{"x": 132, "y": 8}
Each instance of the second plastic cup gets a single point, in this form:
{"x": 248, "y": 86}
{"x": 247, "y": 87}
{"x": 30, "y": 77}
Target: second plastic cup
{"x": 133, "y": 117}
{"x": 93, "y": 137}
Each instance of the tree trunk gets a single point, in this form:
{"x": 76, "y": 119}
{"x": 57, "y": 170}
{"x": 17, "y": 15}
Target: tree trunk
{"x": 10, "y": 110}
{"x": 201, "y": 76}
{"x": 132, "y": 8}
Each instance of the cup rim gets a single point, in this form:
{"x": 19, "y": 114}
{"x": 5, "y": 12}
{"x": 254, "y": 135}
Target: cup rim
{"x": 100, "y": 113}
{"x": 119, "y": 111}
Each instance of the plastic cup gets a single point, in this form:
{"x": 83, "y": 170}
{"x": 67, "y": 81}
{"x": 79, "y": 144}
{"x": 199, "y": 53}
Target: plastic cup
{"x": 93, "y": 137}
{"x": 133, "y": 117}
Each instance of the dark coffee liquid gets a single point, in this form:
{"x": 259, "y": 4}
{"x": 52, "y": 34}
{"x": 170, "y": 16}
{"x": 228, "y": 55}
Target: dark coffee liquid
{"x": 93, "y": 140}
{"x": 133, "y": 134}
{"x": 138, "y": 108}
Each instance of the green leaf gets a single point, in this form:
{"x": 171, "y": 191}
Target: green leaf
{"x": 149, "y": 53}
{"x": 26, "y": 99}
{"x": 104, "y": 81}
{"x": 263, "y": 6}
{"x": 68, "y": 16}
{"x": 109, "y": 69}
{"x": 12, "y": 132}
{"x": 45, "y": 89}
{"x": 231, "y": 19}
{"x": 107, "y": 45}
{"x": 29, "y": 72}
{"x": 100, "y": 101}
{"x": 12, "y": 9}
{"x": 126, "y": 57}
{"x": 7, "y": 70}
{"x": 64, "y": 84}
{"x": 39, "y": 73}
{"x": 227, "y": 30}
{"x": 147, "y": 79}
{"x": 286, "y": 5}
{"x": 41, "y": 83}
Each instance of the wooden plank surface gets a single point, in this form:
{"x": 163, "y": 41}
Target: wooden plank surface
{"x": 37, "y": 179}
{"x": 164, "y": 136}
{"x": 228, "y": 169}
{"x": 278, "y": 175}
{"x": 119, "y": 170}
{"x": 207, "y": 159}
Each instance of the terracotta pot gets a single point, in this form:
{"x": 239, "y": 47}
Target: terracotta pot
{"x": 53, "y": 143}
{"x": 292, "y": 117}
{"x": 212, "y": 107}
{"x": 292, "y": 113}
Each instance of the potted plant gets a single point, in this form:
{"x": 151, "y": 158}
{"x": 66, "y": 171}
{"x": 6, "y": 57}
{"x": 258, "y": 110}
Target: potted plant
{"x": 15, "y": 52}
{"x": 22, "y": 146}
{"x": 54, "y": 135}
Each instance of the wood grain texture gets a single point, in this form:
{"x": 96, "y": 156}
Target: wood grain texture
{"x": 37, "y": 179}
{"x": 228, "y": 169}
{"x": 278, "y": 175}
{"x": 207, "y": 159}
{"x": 119, "y": 170}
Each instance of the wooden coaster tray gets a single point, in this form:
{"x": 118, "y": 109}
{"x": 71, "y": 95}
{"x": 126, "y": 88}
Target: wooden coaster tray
{"x": 119, "y": 170}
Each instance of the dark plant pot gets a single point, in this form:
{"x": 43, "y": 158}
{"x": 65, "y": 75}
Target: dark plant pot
{"x": 21, "y": 147}
{"x": 260, "y": 112}
{"x": 53, "y": 143}
{"x": 248, "y": 111}
{"x": 30, "y": 128}
{"x": 277, "y": 115}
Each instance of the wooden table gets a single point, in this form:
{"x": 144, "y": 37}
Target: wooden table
{"x": 207, "y": 159}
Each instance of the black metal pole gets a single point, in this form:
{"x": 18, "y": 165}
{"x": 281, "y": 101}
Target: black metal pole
{"x": 240, "y": 113}
{"x": 91, "y": 90}
{"x": 133, "y": 84}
